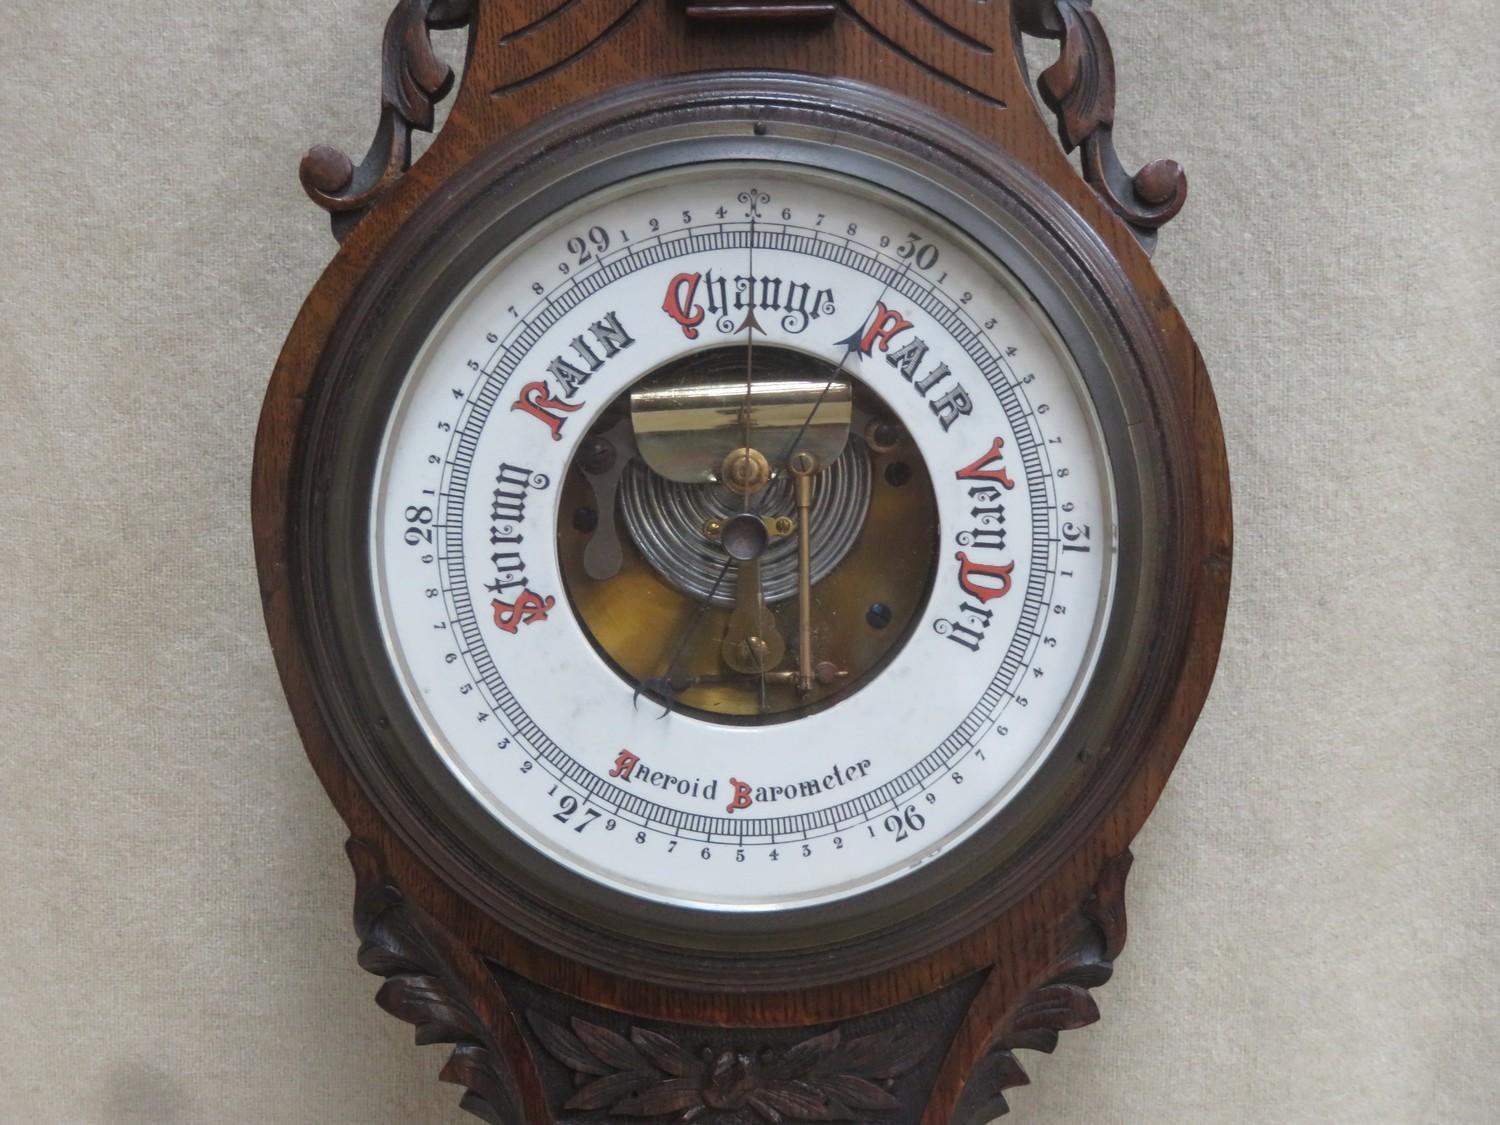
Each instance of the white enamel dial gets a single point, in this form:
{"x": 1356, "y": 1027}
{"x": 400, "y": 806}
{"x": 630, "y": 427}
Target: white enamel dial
{"x": 780, "y": 805}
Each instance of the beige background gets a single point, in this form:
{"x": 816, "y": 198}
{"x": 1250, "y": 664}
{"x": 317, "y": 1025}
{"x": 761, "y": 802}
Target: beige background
{"x": 1313, "y": 919}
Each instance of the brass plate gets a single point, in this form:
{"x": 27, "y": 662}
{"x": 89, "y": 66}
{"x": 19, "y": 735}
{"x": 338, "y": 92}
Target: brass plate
{"x": 649, "y": 630}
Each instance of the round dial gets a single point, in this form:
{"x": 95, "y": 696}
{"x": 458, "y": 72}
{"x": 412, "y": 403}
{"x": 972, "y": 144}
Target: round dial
{"x": 743, "y": 536}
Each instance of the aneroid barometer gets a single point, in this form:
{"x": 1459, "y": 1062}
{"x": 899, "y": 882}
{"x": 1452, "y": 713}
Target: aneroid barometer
{"x": 745, "y": 534}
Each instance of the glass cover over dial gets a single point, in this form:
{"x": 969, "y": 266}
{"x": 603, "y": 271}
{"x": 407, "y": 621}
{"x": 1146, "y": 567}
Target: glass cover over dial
{"x": 743, "y": 536}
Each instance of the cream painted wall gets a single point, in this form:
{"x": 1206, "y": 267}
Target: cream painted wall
{"x": 1313, "y": 908}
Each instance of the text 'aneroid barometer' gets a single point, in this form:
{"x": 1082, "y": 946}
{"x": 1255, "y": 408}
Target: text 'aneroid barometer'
{"x": 745, "y": 535}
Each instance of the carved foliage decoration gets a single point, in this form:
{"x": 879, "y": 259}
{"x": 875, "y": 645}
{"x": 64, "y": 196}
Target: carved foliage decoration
{"x": 402, "y": 944}
{"x": 1080, "y": 89}
{"x": 413, "y": 81}
{"x": 1092, "y": 937}
{"x": 823, "y": 1078}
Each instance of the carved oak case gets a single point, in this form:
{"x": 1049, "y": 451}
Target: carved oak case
{"x": 573, "y": 1001}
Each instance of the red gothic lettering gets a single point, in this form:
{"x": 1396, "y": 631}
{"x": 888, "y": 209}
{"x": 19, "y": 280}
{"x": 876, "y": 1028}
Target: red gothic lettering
{"x": 741, "y": 795}
{"x": 885, "y": 326}
{"x": 525, "y": 610}
{"x": 969, "y": 572}
{"x": 679, "y": 303}
{"x": 976, "y": 470}
{"x": 536, "y": 399}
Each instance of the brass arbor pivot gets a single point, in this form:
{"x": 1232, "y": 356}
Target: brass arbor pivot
{"x": 745, "y": 471}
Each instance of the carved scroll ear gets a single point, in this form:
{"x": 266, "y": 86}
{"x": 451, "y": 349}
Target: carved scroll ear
{"x": 1080, "y": 89}
{"x": 1090, "y": 939}
{"x": 403, "y": 945}
{"x": 413, "y": 81}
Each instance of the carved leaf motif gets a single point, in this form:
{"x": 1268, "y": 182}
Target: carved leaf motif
{"x": 1092, "y": 938}
{"x": 1050, "y": 1009}
{"x": 807, "y": 1054}
{"x": 797, "y": 1101}
{"x": 426, "y": 1003}
{"x": 564, "y": 1047}
{"x": 857, "y": 1093}
{"x": 664, "y": 1053}
{"x": 611, "y": 1049}
{"x": 1080, "y": 85}
{"x": 605, "y": 1092}
{"x": 882, "y": 1055}
{"x": 400, "y": 943}
{"x": 1080, "y": 89}
{"x": 665, "y": 1097}
{"x": 822, "y": 1078}
{"x": 414, "y": 79}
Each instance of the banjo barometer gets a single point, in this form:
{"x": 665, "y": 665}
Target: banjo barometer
{"x": 745, "y": 535}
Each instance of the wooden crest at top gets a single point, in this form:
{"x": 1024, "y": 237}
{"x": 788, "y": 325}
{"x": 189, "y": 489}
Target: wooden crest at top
{"x": 959, "y": 55}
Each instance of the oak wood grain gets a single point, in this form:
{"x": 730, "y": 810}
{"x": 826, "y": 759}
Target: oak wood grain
{"x": 960, "y": 60}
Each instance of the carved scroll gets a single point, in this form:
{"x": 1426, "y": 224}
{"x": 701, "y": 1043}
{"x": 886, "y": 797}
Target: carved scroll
{"x": 1080, "y": 89}
{"x": 413, "y": 81}
{"x": 402, "y": 944}
{"x": 1093, "y": 937}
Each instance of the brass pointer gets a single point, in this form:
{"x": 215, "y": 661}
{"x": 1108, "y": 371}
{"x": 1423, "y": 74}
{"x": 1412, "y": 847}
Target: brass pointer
{"x": 752, "y": 643}
{"x": 802, "y": 466}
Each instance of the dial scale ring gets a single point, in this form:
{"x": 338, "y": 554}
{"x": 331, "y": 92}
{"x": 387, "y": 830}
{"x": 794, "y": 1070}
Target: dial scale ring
{"x": 399, "y": 733}
{"x": 584, "y": 796}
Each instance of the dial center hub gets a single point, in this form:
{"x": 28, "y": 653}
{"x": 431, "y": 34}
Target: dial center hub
{"x": 745, "y": 471}
{"x": 745, "y": 537}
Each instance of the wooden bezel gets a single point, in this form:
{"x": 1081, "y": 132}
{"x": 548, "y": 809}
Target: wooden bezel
{"x": 505, "y": 972}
